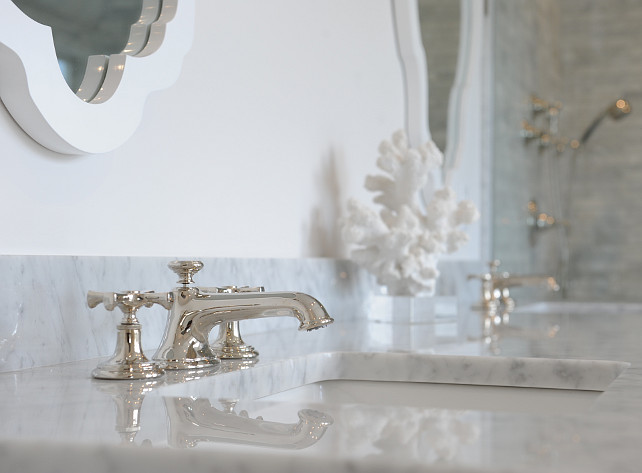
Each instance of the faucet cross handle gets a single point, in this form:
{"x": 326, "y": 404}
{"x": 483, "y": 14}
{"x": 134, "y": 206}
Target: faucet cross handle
{"x": 494, "y": 265}
{"x": 128, "y": 360}
{"x": 185, "y": 270}
{"x": 492, "y": 274}
{"x": 236, "y": 289}
{"x": 231, "y": 289}
{"x": 250, "y": 289}
{"x": 128, "y": 302}
{"x": 230, "y": 345}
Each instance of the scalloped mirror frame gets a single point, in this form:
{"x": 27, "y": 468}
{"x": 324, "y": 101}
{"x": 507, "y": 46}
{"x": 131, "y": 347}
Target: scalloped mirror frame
{"x": 35, "y": 93}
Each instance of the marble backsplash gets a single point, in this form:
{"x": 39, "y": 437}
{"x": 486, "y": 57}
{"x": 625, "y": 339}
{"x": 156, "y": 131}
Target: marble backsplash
{"x": 45, "y": 319}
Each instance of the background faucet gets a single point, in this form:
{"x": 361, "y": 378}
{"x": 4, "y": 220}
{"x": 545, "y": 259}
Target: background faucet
{"x": 496, "y": 286}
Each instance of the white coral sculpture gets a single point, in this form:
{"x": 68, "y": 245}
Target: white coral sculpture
{"x": 402, "y": 243}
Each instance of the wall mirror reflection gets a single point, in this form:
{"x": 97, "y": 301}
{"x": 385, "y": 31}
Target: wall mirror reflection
{"x": 83, "y": 28}
{"x": 452, "y": 43}
{"x": 87, "y": 32}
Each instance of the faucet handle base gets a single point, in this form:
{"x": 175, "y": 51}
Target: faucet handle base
{"x": 128, "y": 361}
{"x": 236, "y": 353}
{"x": 205, "y": 363}
{"x": 230, "y": 346}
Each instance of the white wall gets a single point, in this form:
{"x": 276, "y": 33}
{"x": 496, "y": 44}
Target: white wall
{"x": 273, "y": 123}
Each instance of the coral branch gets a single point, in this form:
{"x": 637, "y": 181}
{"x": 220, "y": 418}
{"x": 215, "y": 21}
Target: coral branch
{"x": 402, "y": 243}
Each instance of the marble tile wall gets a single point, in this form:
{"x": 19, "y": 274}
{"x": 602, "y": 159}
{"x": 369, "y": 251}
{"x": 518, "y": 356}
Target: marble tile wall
{"x": 585, "y": 53}
{"x": 601, "y": 61}
{"x": 526, "y": 61}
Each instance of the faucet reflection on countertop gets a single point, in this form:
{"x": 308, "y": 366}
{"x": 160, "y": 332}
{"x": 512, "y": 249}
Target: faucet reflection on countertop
{"x": 194, "y": 420}
{"x": 191, "y": 420}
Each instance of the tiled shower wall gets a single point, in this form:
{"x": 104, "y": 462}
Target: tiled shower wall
{"x": 585, "y": 53}
{"x": 526, "y": 60}
{"x": 601, "y": 61}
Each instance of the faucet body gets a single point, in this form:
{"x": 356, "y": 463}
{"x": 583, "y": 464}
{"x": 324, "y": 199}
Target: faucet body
{"x": 192, "y": 314}
{"x": 502, "y": 285}
{"x": 196, "y": 311}
{"x": 496, "y": 287}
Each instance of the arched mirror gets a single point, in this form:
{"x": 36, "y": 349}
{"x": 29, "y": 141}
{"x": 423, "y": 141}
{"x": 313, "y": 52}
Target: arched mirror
{"x": 440, "y": 23}
{"x": 441, "y": 47}
{"x": 75, "y": 74}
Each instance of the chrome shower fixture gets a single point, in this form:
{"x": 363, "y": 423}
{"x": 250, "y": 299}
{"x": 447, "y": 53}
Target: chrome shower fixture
{"x": 538, "y": 221}
{"x": 545, "y": 138}
{"x": 530, "y": 131}
{"x": 546, "y": 133}
{"x": 540, "y": 105}
{"x": 618, "y": 109}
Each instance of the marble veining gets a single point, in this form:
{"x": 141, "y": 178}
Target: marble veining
{"x": 74, "y": 421}
{"x": 46, "y": 319}
{"x": 270, "y": 378}
{"x": 581, "y": 307}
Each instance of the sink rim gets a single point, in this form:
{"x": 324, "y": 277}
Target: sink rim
{"x": 272, "y": 377}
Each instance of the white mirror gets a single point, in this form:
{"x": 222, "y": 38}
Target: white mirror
{"x": 90, "y": 28}
{"x": 461, "y": 113}
{"x": 439, "y": 21}
{"x": 98, "y": 109}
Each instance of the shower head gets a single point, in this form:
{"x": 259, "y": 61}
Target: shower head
{"x": 618, "y": 109}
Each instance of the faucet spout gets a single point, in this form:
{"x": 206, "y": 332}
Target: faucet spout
{"x": 517, "y": 281}
{"x": 195, "y": 313}
{"x": 223, "y": 308}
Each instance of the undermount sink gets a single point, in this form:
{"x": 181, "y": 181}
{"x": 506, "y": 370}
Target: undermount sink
{"x": 442, "y": 396}
{"x": 415, "y": 380}
{"x": 407, "y": 405}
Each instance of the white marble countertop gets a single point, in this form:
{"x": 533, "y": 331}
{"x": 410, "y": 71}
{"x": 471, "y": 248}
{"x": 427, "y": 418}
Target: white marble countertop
{"x": 59, "y": 419}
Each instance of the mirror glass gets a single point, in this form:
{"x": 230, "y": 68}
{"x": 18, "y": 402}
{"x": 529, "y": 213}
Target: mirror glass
{"x": 83, "y": 28}
{"x": 439, "y": 20}
{"x": 567, "y": 115}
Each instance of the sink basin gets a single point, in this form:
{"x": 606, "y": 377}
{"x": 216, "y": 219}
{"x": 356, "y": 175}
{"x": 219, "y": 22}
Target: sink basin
{"x": 443, "y": 396}
{"x": 410, "y": 379}
{"x": 418, "y": 407}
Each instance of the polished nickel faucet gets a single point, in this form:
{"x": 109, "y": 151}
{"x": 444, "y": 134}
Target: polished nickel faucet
{"x": 192, "y": 314}
{"x": 196, "y": 311}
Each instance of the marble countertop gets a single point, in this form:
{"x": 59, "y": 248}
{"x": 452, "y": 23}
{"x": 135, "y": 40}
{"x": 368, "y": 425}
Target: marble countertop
{"x": 57, "y": 418}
